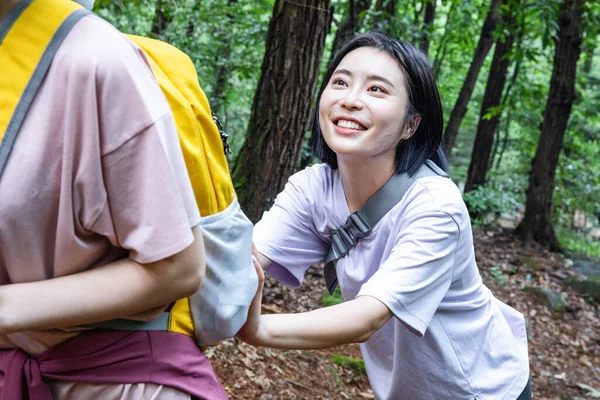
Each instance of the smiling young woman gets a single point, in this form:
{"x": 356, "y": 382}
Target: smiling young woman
{"x": 428, "y": 327}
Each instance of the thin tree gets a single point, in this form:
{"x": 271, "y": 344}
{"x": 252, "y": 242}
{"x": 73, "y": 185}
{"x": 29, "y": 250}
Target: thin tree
{"x": 442, "y": 49}
{"x": 282, "y": 104}
{"x": 217, "y": 97}
{"x": 483, "y": 47}
{"x": 491, "y": 108}
{"x": 161, "y": 19}
{"x": 428, "y": 19}
{"x": 500, "y": 144}
{"x": 507, "y": 103}
{"x": 589, "y": 58}
{"x": 352, "y": 22}
{"x": 537, "y": 222}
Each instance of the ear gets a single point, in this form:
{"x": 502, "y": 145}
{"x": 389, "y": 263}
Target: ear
{"x": 411, "y": 126}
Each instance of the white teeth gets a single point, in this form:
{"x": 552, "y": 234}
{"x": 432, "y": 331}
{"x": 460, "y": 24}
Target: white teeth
{"x": 349, "y": 124}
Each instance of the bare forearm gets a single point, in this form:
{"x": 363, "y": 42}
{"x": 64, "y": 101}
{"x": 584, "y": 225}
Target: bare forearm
{"x": 116, "y": 290}
{"x": 351, "y": 322}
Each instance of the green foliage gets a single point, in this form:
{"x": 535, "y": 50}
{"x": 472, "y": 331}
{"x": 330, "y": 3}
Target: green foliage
{"x": 502, "y": 194}
{"x": 226, "y": 40}
{"x": 220, "y": 36}
{"x": 349, "y": 362}
{"x": 578, "y": 242}
{"x": 498, "y": 276}
{"x": 332, "y": 300}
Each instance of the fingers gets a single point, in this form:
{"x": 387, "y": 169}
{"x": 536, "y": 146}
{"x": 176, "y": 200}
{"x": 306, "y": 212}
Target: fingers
{"x": 254, "y": 251}
{"x": 260, "y": 273}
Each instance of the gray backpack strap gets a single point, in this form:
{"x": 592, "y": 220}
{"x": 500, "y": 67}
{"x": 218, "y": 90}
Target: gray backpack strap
{"x": 360, "y": 223}
{"x": 161, "y": 323}
{"x": 12, "y": 130}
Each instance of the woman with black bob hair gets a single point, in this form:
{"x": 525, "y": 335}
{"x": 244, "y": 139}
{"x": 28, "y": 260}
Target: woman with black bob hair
{"x": 414, "y": 299}
{"x": 423, "y": 101}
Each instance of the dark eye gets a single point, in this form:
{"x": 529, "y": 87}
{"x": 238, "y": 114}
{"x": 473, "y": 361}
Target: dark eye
{"x": 377, "y": 89}
{"x": 338, "y": 82}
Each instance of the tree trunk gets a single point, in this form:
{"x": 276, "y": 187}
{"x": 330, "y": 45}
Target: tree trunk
{"x": 217, "y": 97}
{"x": 537, "y": 222}
{"x": 428, "y": 19}
{"x": 483, "y": 47}
{"x": 506, "y": 99}
{"x": 442, "y": 49}
{"x": 351, "y": 24}
{"x": 160, "y": 21}
{"x": 282, "y": 107}
{"x": 484, "y": 139}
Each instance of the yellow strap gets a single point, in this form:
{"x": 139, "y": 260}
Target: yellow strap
{"x": 23, "y": 47}
{"x": 199, "y": 136}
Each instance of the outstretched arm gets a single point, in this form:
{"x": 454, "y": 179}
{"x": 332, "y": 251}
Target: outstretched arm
{"x": 353, "y": 321}
{"x": 116, "y": 290}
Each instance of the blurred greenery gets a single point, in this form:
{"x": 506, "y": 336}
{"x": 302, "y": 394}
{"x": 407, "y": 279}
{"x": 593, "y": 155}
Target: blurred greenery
{"x": 349, "y": 362}
{"x": 226, "y": 39}
{"x": 332, "y": 299}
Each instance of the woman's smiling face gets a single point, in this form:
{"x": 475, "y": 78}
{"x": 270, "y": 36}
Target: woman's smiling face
{"x": 362, "y": 110}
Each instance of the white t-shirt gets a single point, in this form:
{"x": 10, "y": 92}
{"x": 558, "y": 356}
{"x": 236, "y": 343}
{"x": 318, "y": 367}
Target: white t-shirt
{"x": 450, "y": 338}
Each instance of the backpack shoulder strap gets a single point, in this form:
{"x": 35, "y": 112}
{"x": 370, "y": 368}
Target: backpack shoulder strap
{"x": 360, "y": 223}
{"x": 30, "y": 36}
{"x": 201, "y": 140}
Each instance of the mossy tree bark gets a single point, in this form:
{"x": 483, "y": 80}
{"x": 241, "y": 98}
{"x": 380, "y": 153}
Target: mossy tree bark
{"x": 537, "y": 222}
{"x": 489, "y": 116}
{"x": 283, "y": 102}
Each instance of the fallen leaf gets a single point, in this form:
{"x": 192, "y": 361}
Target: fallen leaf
{"x": 592, "y": 392}
{"x": 365, "y": 395}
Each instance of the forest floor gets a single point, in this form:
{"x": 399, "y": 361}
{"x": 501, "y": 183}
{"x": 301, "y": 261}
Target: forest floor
{"x": 564, "y": 345}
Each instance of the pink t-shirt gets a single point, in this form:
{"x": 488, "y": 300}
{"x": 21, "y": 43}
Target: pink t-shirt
{"x": 96, "y": 174}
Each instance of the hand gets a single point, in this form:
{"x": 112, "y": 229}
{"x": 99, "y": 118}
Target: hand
{"x": 251, "y": 331}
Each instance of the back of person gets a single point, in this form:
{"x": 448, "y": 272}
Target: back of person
{"x": 97, "y": 175}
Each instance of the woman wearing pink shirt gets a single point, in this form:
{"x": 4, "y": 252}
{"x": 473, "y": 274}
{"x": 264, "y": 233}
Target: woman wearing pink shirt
{"x": 414, "y": 299}
{"x": 98, "y": 221}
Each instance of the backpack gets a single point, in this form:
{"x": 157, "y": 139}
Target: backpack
{"x": 220, "y": 307}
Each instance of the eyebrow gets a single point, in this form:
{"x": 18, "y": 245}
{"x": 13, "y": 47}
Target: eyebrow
{"x": 370, "y": 77}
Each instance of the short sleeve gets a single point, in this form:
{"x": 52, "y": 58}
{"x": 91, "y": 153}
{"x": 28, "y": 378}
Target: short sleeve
{"x": 287, "y": 234}
{"x": 150, "y": 207}
{"x": 414, "y": 279}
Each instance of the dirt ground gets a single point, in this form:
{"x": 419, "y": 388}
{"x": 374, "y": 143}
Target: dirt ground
{"x": 564, "y": 347}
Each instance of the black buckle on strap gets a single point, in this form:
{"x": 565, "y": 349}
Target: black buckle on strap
{"x": 346, "y": 236}
{"x": 224, "y": 135}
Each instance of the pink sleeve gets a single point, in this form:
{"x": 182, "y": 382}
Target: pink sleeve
{"x": 150, "y": 207}
{"x": 147, "y": 205}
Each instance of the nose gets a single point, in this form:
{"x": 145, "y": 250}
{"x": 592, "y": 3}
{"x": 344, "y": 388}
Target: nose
{"x": 351, "y": 99}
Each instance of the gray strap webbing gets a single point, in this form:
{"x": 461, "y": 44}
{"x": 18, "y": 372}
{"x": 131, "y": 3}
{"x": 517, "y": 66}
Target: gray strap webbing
{"x": 12, "y": 130}
{"x": 159, "y": 324}
{"x": 360, "y": 223}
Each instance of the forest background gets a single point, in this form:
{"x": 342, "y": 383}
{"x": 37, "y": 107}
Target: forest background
{"x": 520, "y": 86}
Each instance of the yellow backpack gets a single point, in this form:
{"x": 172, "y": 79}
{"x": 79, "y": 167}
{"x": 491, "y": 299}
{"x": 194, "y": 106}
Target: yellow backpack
{"x": 29, "y": 37}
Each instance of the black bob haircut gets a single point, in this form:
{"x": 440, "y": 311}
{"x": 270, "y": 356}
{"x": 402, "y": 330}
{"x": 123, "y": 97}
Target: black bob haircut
{"x": 423, "y": 100}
